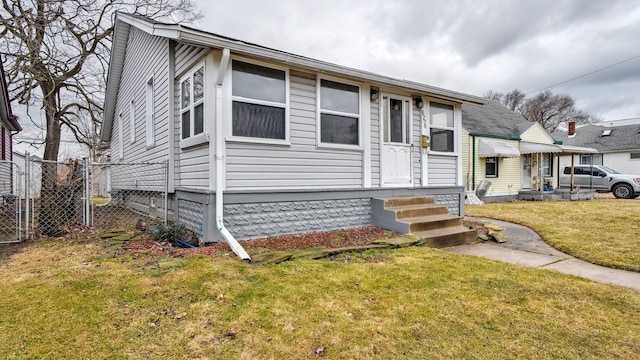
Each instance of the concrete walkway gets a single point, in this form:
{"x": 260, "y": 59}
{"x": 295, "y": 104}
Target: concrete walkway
{"x": 524, "y": 247}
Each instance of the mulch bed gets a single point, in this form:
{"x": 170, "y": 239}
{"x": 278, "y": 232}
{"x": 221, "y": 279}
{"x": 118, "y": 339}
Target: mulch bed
{"x": 328, "y": 239}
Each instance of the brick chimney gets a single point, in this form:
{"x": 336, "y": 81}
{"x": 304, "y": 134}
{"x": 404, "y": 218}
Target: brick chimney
{"x": 572, "y": 128}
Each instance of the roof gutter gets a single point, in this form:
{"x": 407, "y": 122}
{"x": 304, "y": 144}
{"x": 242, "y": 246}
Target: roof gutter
{"x": 220, "y": 170}
{"x": 514, "y": 137}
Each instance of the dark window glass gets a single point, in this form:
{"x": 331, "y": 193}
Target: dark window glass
{"x": 186, "y": 124}
{"x": 339, "y": 129}
{"x": 491, "y": 167}
{"x": 252, "y": 120}
{"x": 395, "y": 121}
{"x": 258, "y": 82}
{"x": 198, "y": 119}
{"x": 442, "y": 140}
{"x": 186, "y": 93}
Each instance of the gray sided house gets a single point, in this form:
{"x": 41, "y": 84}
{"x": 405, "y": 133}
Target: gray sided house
{"x": 8, "y": 127}
{"x": 618, "y": 146}
{"x": 263, "y": 142}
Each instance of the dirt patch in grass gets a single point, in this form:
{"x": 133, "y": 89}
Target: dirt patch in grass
{"x": 146, "y": 247}
{"x": 8, "y": 250}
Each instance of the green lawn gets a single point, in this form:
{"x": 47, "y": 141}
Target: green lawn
{"x": 603, "y": 231}
{"x": 64, "y": 300}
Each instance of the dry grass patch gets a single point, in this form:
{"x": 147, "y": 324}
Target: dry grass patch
{"x": 415, "y": 303}
{"x": 602, "y": 231}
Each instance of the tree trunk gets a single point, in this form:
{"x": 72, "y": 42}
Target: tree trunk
{"x": 52, "y": 216}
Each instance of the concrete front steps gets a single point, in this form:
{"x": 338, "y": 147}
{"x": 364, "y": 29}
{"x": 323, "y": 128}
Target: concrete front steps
{"x": 422, "y": 217}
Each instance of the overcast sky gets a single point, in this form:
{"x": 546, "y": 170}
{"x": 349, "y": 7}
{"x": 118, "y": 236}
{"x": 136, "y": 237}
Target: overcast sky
{"x": 464, "y": 45}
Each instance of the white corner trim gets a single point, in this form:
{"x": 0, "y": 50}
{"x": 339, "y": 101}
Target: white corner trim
{"x": 365, "y": 117}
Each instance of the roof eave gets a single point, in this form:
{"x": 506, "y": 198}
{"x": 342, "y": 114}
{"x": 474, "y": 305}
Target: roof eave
{"x": 197, "y": 37}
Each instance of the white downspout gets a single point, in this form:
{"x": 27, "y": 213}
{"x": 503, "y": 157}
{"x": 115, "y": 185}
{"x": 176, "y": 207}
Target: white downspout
{"x": 220, "y": 171}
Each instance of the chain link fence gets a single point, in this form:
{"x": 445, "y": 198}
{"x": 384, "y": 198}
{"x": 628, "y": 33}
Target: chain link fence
{"x": 120, "y": 194}
{"x": 11, "y": 219}
{"x": 64, "y": 195}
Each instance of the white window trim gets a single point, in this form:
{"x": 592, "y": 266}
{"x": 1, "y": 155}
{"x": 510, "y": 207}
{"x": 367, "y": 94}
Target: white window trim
{"x": 455, "y": 128}
{"x": 120, "y": 137}
{"x": 197, "y": 139}
{"x": 150, "y": 113}
{"x": 286, "y": 106}
{"x": 319, "y": 112}
{"x": 132, "y": 122}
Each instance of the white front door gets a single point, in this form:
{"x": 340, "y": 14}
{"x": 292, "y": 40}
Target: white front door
{"x": 395, "y": 148}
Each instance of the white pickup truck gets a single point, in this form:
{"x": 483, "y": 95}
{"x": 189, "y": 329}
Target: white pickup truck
{"x": 601, "y": 179}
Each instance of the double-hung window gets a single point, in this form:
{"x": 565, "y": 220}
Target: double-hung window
{"x": 592, "y": 159}
{"x": 192, "y": 102}
{"x": 339, "y": 111}
{"x": 491, "y": 167}
{"x": 259, "y": 102}
{"x": 442, "y": 127}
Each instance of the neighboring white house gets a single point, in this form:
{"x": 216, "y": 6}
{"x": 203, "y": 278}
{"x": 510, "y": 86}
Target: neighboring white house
{"x": 618, "y": 146}
{"x": 292, "y": 143}
{"x": 35, "y": 174}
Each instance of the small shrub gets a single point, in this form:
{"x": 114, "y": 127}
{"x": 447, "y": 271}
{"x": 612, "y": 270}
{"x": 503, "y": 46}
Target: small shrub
{"x": 167, "y": 232}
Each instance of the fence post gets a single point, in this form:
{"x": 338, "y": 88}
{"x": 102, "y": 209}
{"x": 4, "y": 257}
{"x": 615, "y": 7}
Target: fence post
{"x": 166, "y": 190}
{"x": 87, "y": 193}
{"x": 27, "y": 193}
{"x": 19, "y": 197}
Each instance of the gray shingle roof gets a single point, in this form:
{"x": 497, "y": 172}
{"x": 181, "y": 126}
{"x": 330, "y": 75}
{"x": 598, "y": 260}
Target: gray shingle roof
{"x": 625, "y": 137}
{"x": 493, "y": 119}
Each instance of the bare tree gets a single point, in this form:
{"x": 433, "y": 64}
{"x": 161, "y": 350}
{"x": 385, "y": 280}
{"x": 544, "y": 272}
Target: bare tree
{"x": 550, "y": 110}
{"x": 514, "y": 99}
{"x": 56, "y": 56}
{"x": 493, "y": 95}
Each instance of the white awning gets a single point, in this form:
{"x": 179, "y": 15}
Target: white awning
{"x": 570, "y": 149}
{"x": 533, "y": 148}
{"x": 490, "y": 148}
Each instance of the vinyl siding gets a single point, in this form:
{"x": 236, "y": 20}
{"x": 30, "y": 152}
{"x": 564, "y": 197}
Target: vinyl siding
{"x": 466, "y": 160}
{"x": 192, "y": 164}
{"x": 6, "y": 167}
{"x": 416, "y": 141}
{"x": 7, "y": 144}
{"x": 187, "y": 56}
{"x": 300, "y": 165}
{"x": 442, "y": 170}
{"x": 536, "y": 134}
{"x": 509, "y": 180}
{"x": 375, "y": 143}
{"x": 147, "y": 56}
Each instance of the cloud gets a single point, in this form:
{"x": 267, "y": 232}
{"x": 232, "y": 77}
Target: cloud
{"x": 465, "y": 45}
